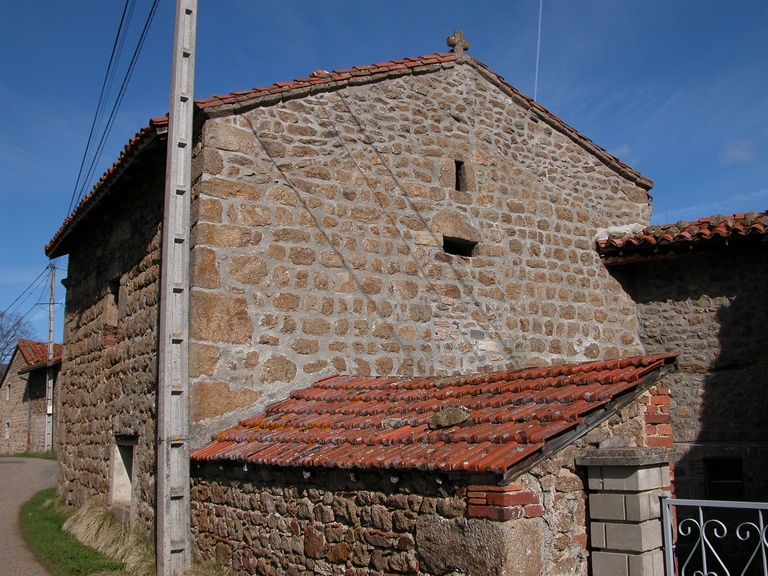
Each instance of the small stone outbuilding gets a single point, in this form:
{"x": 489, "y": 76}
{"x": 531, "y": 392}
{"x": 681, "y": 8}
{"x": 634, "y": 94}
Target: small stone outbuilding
{"x": 427, "y": 475}
{"x": 701, "y": 289}
{"x": 23, "y": 400}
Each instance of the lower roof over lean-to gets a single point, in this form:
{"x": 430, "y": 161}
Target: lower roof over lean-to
{"x": 683, "y": 238}
{"x": 479, "y": 423}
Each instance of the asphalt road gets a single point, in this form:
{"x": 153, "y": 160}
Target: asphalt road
{"x": 20, "y": 479}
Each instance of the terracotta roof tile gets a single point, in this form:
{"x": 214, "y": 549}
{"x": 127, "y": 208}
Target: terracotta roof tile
{"x": 142, "y": 138}
{"x": 35, "y": 353}
{"x": 382, "y": 422}
{"x": 673, "y": 239}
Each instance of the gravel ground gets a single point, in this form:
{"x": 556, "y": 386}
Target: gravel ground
{"x": 20, "y": 479}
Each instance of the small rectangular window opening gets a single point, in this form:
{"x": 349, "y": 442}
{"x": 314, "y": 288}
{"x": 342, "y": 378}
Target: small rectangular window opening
{"x": 458, "y": 246}
{"x": 112, "y": 303}
{"x": 7, "y": 429}
{"x": 725, "y": 478}
{"x": 461, "y": 183}
{"x": 121, "y": 488}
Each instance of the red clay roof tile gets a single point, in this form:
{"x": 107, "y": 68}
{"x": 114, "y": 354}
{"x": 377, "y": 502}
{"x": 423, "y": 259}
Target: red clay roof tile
{"x": 381, "y": 422}
{"x": 35, "y": 353}
{"x": 668, "y": 240}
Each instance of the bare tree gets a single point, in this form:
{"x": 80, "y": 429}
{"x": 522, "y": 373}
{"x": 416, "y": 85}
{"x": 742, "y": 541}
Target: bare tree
{"x": 13, "y": 327}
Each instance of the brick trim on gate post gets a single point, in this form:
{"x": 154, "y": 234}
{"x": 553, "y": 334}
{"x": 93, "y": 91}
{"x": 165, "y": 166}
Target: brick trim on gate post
{"x": 658, "y": 424}
{"x": 503, "y": 502}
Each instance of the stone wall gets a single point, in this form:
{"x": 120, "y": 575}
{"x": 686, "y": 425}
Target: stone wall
{"x": 324, "y": 226}
{"x": 109, "y": 371}
{"x": 712, "y": 308}
{"x": 270, "y": 521}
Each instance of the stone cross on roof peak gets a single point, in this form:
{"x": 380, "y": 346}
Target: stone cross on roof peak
{"x": 457, "y": 42}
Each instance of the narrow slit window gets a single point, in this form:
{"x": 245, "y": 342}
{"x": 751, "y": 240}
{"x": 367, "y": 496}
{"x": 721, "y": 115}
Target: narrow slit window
{"x": 458, "y": 246}
{"x": 461, "y": 180}
{"x": 112, "y": 303}
{"x": 111, "y": 313}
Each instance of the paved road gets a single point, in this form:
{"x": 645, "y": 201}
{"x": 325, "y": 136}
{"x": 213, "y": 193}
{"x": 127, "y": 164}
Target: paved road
{"x": 20, "y": 479}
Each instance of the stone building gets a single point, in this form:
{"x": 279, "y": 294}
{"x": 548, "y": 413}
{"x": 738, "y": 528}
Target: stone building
{"x": 702, "y": 291}
{"x": 23, "y": 401}
{"x": 418, "y": 218}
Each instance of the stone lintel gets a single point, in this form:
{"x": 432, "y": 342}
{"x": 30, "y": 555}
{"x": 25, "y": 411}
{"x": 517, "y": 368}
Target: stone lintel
{"x": 624, "y": 457}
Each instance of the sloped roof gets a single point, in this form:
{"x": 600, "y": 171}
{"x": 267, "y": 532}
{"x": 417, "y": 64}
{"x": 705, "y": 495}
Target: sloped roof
{"x": 36, "y": 353}
{"x": 683, "y": 237}
{"x": 384, "y": 422}
{"x": 322, "y": 81}
{"x": 142, "y": 139}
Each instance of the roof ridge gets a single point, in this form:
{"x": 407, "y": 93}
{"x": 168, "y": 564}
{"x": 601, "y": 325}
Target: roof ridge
{"x": 322, "y": 81}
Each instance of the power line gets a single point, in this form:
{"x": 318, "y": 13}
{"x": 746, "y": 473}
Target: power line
{"x": 106, "y": 86}
{"x": 27, "y": 291}
{"x": 116, "y": 105}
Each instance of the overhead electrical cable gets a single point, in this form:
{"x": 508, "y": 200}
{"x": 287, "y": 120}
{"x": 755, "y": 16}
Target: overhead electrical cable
{"x": 106, "y": 86}
{"x": 118, "y": 101}
{"x": 26, "y": 293}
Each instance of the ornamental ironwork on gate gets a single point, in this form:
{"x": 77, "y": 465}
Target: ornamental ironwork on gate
{"x": 715, "y": 538}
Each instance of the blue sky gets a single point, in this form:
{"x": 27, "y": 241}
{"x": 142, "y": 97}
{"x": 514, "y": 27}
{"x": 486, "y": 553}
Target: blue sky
{"x": 677, "y": 89}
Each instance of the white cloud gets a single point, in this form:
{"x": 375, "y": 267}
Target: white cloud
{"x": 730, "y": 204}
{"x": 736, "y": 152}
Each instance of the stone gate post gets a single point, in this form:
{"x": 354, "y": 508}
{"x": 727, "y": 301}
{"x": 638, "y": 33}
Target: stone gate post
{"x": 625, "y": 513}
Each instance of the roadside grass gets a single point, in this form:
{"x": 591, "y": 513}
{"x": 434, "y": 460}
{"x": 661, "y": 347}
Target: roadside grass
{"x": 41, "y": 521}
{"x": 92, "y": 541}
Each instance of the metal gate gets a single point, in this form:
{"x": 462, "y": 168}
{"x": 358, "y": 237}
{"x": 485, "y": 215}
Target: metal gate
{"x": 714, "y": 538}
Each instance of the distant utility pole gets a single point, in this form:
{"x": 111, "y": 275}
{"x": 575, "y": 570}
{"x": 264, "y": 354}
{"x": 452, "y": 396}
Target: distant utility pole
{"x": 49, "y": 368}
{"x": 172, "y": 508}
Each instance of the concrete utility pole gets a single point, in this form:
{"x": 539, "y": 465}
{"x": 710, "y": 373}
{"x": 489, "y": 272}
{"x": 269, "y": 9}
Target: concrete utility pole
{"x": 49, "y": 368}
{"x": 172, "y": 477}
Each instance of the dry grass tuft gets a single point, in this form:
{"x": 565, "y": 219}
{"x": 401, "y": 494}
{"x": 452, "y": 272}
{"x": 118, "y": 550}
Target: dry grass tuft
{"x": 98, "y": 528}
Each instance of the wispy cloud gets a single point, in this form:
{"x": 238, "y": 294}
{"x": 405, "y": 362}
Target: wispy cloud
{"x": 730, "y": 204}
{"x": 736, "y": 152}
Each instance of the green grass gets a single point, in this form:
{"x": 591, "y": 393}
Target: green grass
{"x": 91, "y": 542}
{"x": 41, "y": 521}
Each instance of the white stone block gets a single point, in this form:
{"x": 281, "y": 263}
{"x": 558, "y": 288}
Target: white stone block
{"x": 642, "y": 506}
{"x": 647, "y": 564}
{"x": 597, "y": 534}
{"x": 626, "y": 478}
{"x": 640, "y": 537}
{"x": 610, "y": 564}
{"x": 595, "y": 477}
{"x": 604, "y": 506}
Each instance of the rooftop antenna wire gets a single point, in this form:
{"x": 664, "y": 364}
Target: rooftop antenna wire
{"x": 538, "y": 50}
